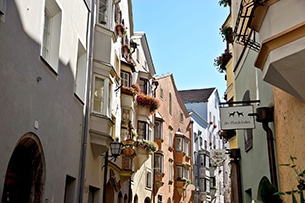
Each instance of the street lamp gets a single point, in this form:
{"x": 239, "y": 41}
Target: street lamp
{"x": 115, "y": 149}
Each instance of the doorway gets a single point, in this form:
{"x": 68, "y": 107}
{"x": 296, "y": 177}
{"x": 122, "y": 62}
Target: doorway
{"x": 25, "y": 172}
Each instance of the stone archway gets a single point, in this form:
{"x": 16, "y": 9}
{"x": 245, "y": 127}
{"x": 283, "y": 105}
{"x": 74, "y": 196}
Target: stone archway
{"x": 25, "y": 173}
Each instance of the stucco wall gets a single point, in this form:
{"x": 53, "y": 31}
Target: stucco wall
{"x": 289, "y": 127}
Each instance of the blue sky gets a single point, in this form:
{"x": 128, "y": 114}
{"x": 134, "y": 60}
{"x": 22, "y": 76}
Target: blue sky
{"x": 184, "y": 39}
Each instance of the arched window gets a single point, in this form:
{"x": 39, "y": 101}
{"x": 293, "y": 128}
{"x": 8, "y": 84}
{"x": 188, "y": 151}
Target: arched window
{"x": 248, "y": 134}
{"x": 135, "y": 199}
{"x": 120, "y": 197}
{"x": 125, "y": 198}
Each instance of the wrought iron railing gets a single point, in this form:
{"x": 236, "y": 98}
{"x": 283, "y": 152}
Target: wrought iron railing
{"x": 243, "y": 34}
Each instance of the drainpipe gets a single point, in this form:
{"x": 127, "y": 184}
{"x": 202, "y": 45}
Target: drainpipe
{"x": 264, "y": 116}
{"x": 87, "y": 104}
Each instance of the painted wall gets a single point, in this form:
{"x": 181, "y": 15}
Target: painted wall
{"x": 172, "y": 121}
{"x": 32, "y": 93}
{"x": 254, "y": 163}
{"x": 289, "y": 127}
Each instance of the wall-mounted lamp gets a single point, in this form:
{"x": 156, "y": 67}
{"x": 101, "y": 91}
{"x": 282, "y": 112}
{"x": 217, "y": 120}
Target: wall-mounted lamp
{"x": 115, "y": 149}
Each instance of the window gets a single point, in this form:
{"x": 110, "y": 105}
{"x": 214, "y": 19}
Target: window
{"x": 159, "y": 198}
{"x": 171, "y": 169}
{"x": 207, "y": 161}
{"x": 69, "y": 189}
{"x": 161, "y": 93}
{"x": 158, "y": 163}
{"x": 93, "y": 195}
{"x": 144, "y": 85}
{"x": 148, "y": 179}
{"x": 101, "y": 101}
{"x": 187, "y": 173}
{"x": 103, "y": 15}
{"x": 179, "y": 171}
{"x": 170, "y": 103}
{"x": 51, "y": 34}
{"x": 2, "y": 7}
{"x": 210, "y": 116}
{"x": 158, "y": 130}
{"x": 170, "y": 138}
{"x": 80, "y": 82}
{"x": 181, "y": 116}
{"x": 201, "y": 184}
{"x": 179, "y": 144}
{"x": 138, "y": 55}
{"x": 206, "y": 184}
{"x": 125, "y": 79}
{"x": 248, "y": 133}
{"x": 205, "y": 144}
{"x": 187, "y": 148}
{"x": 212, "y": 182}
{"x": 143, "y": 130}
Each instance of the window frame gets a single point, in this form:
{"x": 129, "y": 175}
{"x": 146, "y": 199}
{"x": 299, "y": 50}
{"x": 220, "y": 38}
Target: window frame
{"x": 104, "y": 13}
{"x": 80, "y": 74}
{"x": 49, "y": 52}
{"x": 158, "y": 129}
{"x": 148, "y": 183}
{"x": 140, "y": 136}
{"x": 171, "y": 171}
{"x": 179, "y": 171}
{"x": 181, "y": 147}
{"x": 170, "y": 105}
{"x": 125, "y": 81}
{"x": 106, "y": 96}
{"x": 159, "y": 163}
{"x": 144, "y": 85}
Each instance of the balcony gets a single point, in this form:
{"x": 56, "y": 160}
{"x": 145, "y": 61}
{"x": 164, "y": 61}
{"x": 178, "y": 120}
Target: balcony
{"x": 100, "y": 133}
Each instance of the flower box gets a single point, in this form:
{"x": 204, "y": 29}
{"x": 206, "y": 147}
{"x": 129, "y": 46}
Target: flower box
{"x": 221, "y": 61}
{"x": 227, "y": 34}
{"x": 148, "y": 101}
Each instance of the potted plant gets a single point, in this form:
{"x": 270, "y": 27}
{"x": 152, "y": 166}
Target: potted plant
{"x": 227, "y": 34}
{"x": 221, "y": 61}
{"x": 120, "y": 30}
{"x": 134, "y": 89}
{"x": 148, "y": 101}
{"x": 149, "y": 146}
{"x": 224, "y": 3}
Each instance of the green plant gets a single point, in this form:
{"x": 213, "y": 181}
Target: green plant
{"x": 221, "y": 61}
{"x": 226, "y": 33}
{"x": 147, "y": 145}
{"x": 300, "y": 176}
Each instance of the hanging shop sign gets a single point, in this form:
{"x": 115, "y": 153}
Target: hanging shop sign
{"x": 218, "y": 156}
{"x": 236, "y": 117}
